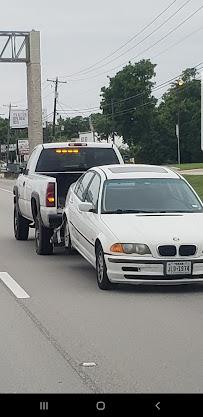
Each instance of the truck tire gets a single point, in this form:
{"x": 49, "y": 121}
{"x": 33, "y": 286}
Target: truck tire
{"x": 21, "y": 225}
{"x": 42, "y": 238}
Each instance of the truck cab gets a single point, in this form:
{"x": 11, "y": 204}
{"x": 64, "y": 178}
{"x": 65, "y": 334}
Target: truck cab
{"x": 40, "y": 191}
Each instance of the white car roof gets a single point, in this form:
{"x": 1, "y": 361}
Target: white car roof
{"x": 82, "y": 144}
{"x": 137, "y": 171}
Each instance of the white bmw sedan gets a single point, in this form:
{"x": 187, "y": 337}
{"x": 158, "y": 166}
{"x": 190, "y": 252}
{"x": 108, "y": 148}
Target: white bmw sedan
{"x": 136, "y": 224}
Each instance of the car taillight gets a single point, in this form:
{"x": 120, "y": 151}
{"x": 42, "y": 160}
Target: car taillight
{"x": 50, "y": 195}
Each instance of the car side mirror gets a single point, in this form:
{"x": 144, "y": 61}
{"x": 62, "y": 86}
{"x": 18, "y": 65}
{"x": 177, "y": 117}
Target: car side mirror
{"x": 86, "y": 207}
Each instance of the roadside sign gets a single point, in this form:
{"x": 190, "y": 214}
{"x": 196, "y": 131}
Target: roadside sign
{"x": 86, "y": 137}
{"x": 12, "y": 148}
{"x": 23, "y": 147}
{"x": 18, "y": 119}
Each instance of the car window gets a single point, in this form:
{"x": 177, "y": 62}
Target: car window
{"x": 32, "y": 157}
{"x": 82, "y": 184}
{"x": 92, "y": 193}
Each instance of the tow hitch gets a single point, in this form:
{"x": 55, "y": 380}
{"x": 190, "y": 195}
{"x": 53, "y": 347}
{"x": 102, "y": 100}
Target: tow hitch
{"x": 57, "y": 238}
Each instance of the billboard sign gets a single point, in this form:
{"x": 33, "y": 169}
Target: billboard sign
{"x": 18, "y": 119}
{"x": 23, "y": 147}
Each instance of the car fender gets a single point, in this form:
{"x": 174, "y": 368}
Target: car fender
{"x": 105, "y": 241}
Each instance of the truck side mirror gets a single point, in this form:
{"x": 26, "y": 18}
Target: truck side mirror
{"x": 23, "y": 170}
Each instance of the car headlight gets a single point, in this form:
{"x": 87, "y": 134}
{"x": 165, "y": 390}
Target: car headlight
{"x": 137, "y": 248}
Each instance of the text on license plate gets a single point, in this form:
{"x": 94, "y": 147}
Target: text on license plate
{"x": 173, "y": 268}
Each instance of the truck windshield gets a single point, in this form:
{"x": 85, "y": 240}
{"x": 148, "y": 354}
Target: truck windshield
{"x": 77, "y": 159}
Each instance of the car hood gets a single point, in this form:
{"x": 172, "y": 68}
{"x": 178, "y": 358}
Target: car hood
{"x": 143, "y": 228}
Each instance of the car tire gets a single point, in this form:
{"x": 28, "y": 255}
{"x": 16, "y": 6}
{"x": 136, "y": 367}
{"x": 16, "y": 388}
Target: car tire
{"x": 42, "y": 238}
{"x": 67, "y": 239}
{"x": 102, "y": 276}
{"x": 21, "y": 225}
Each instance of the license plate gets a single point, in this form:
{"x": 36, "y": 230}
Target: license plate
{"x": 175, "y": 268}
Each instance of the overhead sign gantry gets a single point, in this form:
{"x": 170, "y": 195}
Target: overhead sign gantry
{"x": 24, "y": 47}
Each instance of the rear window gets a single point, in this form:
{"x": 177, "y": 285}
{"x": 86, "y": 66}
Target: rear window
{"x": 80, "y": 159}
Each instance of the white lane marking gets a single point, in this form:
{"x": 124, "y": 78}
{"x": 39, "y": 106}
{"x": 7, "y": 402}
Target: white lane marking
{"x": 16, "y": 289}
{"x": 88, "y": 364}
{"x": 7, "y": 191}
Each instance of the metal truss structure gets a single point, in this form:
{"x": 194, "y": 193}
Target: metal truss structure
{"x": 14, "y": 46}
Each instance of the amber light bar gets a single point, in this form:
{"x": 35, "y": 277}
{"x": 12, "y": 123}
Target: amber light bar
{"x": 63, "y": 151}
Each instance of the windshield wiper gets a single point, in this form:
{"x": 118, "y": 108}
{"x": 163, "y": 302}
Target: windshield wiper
{"x": 177, "y": 211}
{"x": 120, "y": 211}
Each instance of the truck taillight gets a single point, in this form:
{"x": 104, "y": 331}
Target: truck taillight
{"x": 50, "y": 195}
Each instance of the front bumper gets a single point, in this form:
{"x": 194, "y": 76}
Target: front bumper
{"x": 150, "y": 271}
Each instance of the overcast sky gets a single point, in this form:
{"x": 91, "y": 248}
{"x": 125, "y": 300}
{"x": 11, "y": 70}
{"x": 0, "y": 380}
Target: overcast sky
{"x": 77, "y": 34}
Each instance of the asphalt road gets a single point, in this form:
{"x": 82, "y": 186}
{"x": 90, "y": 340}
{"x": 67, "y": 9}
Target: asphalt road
{"x": 141, "y": 339}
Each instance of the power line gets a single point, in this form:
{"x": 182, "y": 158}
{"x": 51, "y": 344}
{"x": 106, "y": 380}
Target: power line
{"x": 177, "y": 43}
{"x": 184, "y": 87}
{"x": 147, "y": 49}
{"x": 159, "y": 86}
{"x": 108, "y": 115}
{"x": 142, "y": 40}
{"x": 126, "y": 43}
{"x": 126, "y": 111}
{"x": 47, "y": 115}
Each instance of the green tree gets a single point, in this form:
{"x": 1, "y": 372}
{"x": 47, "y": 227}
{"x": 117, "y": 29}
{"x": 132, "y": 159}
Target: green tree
{"x": 102, "y": 125}
{"x": 3, "y": 130}
{"x": 72, "y": 127}
{"x": 181, "y": 103}
{"x": 133, "y": 116}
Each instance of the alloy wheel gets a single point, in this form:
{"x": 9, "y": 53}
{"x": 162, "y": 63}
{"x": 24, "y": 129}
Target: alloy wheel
{"x": 100, "y": 266}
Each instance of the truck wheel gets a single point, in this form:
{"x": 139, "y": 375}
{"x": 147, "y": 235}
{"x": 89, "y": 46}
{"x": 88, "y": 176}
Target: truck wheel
{"x": 42, "y": 238}
{"x": 67, "y": 239}
{"x": 102, "y": 277}
{"x": 21, "y": 225}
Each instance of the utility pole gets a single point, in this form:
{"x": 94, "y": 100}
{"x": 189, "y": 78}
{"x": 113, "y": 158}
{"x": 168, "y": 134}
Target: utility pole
{"x": 8, "y": 131}
{"x": 113, "y": 120}
{"x": 8, "y": 135}
{"x": 56, "y": 82}
{"x": 112, "y": 114}
{"x": 178, "y": 137}
{"x": 179, "y": 83}
{"x": 92, "y": 127}
{"x": 1, "y": 114}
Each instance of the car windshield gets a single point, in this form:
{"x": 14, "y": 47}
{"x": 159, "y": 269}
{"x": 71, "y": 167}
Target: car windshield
{"x": 149, "y": 195}
{"x": 75, "y": 158}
